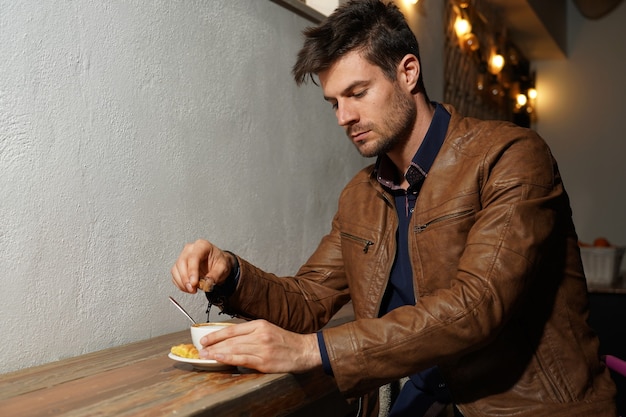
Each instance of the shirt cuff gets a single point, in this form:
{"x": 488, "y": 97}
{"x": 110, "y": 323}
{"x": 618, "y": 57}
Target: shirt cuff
{"x": 324, "y": 353}
{"x": 221, "y": 292}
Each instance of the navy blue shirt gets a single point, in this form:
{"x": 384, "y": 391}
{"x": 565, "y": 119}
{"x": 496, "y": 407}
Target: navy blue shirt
{"x": 425, "y": 387}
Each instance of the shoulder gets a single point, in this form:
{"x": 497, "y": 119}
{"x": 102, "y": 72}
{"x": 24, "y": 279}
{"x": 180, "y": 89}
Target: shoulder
{"x": 477, "y": 136}
{"x": 498, "y": 150}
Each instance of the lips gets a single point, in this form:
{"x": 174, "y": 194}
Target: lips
{"x": 358, "y": 136}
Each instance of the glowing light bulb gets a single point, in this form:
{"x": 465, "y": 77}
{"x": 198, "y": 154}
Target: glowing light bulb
{"x": 521, "y": 100}
{"x": 532, "y": 93}
{"x": 496, "y": 63}
{"x": 462, "y": 26}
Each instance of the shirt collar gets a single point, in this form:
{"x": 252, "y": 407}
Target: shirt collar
{"x": 424, "y": 157}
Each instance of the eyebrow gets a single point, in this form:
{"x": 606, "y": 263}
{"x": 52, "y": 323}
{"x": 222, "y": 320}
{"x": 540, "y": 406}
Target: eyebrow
{"x": 348, "y": 89}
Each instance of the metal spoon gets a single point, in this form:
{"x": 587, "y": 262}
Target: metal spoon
{"x": 182, "y": 310}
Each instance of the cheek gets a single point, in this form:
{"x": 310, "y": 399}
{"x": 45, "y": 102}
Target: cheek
{"x": 383, "y": 101}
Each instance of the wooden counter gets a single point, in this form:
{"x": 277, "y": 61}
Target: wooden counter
{"x": 139, "y": 379}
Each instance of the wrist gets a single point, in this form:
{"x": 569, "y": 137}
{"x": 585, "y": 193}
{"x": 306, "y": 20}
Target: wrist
{"x": 313, "y": 355}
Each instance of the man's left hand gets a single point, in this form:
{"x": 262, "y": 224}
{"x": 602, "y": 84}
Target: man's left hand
{"x": 263, "y": 346}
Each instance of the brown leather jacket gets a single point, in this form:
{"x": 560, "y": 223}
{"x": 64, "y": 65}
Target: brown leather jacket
{"x": 501, "y": 296}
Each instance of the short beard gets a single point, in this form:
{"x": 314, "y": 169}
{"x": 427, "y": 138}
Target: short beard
{"x": 398, "y": 121}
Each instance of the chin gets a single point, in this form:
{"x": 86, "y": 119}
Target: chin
{"x": 364, "y": 150}
{"x": 368, "y": 154}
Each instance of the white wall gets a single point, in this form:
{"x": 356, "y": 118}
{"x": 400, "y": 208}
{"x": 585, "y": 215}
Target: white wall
{"x": 581, "y": 115}
{"x": 128, "y": 128}
{"x": 426, "y": 19}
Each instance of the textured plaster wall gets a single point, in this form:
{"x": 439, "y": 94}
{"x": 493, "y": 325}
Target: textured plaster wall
{"x": 128, "y": 128}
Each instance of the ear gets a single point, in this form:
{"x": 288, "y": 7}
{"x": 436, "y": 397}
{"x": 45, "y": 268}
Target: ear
{"x": 409, "y": 72}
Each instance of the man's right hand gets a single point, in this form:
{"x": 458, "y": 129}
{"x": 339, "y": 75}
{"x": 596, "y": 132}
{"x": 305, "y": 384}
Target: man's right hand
{"x": 201, "y": 259}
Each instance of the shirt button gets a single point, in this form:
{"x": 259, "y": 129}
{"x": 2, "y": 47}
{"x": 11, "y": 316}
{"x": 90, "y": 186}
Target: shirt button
{"x": 412, "y": 210}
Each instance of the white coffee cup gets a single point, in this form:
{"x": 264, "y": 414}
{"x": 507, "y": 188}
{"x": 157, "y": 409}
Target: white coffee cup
{"x": 199, "y": 330}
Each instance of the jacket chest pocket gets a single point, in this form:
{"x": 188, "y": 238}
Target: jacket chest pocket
{"x": 360, "y": 251}
{"x": 450, "y": 218}
{"x": 350, "y": 238}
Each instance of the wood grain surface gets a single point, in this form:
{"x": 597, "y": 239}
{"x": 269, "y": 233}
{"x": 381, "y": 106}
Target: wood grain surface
{"x": 139, "y": 379}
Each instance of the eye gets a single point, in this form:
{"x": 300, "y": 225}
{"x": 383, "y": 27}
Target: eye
{"x": 359, "y": 94}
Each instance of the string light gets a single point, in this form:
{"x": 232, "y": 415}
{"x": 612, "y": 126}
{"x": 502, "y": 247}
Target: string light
{"x": 502, "y": 76}
{"x": 470, "y": 42}
{"x": 462, "y": 26}
{"x": 496, "y": 63}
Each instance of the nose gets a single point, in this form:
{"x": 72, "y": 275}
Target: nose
{"x": 346, "y": 114}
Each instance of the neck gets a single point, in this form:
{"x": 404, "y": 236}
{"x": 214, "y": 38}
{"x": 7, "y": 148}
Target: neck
{"x": 402, "y": 155}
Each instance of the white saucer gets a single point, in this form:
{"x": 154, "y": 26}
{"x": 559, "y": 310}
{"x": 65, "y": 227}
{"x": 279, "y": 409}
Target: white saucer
{"x": 202, "y": 364}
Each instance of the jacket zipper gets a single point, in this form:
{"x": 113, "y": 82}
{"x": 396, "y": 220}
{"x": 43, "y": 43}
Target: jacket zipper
{"x": 421, "y": 227}
{"x": 365, "y": 242}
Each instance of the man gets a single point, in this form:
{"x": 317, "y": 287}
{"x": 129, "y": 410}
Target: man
{"x": 456, "y": 248}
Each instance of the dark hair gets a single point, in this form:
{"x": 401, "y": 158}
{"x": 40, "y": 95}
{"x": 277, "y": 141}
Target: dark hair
{"x": 377, "y": 29}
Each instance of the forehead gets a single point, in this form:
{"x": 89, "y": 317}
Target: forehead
{"x": 347, "y": 70}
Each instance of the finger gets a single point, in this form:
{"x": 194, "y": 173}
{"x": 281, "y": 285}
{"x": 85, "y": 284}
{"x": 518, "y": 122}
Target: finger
{"x": 240, "y": 350}
{"x": 227, "y": 333}
{"x": 247, "y": 360}
{"x": 179, "y": 275}
{"x": 218, "y": 267}
{"x": 196, "y": 254}
{"x": 247, "y": 352}
{"x": 176, "y": 278}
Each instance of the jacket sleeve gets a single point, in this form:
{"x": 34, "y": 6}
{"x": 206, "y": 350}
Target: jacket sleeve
{"x": 303, "y": 303}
